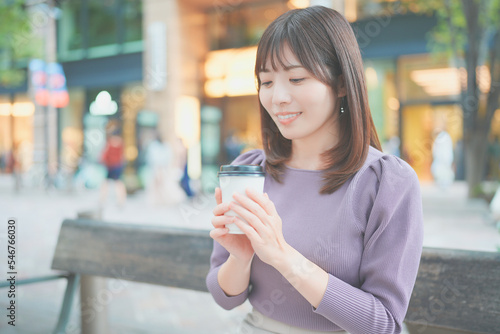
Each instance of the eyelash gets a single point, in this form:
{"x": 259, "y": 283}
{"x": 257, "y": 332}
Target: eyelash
{"x": 294, "y": 81}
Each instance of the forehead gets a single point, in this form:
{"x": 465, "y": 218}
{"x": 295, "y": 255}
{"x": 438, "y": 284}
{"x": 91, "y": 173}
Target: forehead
{"x": 281, "y": 58}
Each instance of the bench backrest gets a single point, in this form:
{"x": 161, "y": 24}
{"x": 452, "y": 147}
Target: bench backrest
{"x": 455, "y": 289}
{"x": 158, "y": 255}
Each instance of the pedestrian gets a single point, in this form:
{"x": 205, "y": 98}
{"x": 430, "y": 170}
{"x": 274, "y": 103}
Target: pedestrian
{"x": 182, "y": 162}
{"x": 442, "y": 159}
{"x": 158, "y": 158}
{"x": 334, "y": 243}
{"x": 113, "y": 158}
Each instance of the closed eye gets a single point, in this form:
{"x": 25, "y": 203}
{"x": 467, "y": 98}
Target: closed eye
{"x": 266, "y": 83}
{"x": 295, "y": 81}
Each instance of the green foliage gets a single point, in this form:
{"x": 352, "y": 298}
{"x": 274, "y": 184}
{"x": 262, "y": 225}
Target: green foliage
{"x": 467, "y": 32}
{"x": 449, "y": 34}
{"x": 17, "y": 42}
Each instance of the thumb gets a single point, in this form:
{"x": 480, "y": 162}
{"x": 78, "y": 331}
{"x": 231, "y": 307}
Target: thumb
{"x": 218, "y": 195}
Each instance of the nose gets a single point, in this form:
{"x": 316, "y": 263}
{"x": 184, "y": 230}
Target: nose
{"x": 281, "y": 94}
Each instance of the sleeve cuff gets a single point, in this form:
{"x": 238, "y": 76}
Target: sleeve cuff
{"x": 335, "y": 298}
{"x": 220, "y": 297}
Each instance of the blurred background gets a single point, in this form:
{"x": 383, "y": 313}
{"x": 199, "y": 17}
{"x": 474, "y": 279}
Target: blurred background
{"x": 173, "y": 81}
{"x": 71, "y": 70}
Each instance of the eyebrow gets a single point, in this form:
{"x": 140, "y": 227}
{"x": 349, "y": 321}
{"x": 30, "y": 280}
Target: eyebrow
{"x": 286, "y": 68}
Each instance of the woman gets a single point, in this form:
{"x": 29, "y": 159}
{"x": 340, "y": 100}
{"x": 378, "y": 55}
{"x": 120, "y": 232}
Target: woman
{"x": 334, "y": 244}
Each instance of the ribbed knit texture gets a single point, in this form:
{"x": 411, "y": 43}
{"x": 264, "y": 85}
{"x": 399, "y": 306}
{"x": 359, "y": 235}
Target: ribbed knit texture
{"x": 367, "y": 236}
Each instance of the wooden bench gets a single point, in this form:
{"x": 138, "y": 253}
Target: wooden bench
{"x": 456, "y": 291}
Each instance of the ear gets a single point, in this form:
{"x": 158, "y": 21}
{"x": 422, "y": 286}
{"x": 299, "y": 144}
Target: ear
{"x": 341, "y": 89}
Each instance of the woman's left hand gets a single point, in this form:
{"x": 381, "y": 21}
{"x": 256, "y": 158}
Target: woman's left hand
{"x": 264, "y": 228}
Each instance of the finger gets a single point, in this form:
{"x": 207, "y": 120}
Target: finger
{"x": 218, "y": 232}
{"x": 221, "y": 221}
{"x": 251, "y": 206}
{"x": 263, "y": 200}
{"x": 249, "y": 217}
{"x": 218, "y": 195}
{"x": 221, "y": 209}
{"x": 250, "y": 232}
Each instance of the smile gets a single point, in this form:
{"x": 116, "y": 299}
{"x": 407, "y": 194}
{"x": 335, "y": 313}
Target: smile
{"x": 287, "y": 119}
{"x": 288, "y": 116}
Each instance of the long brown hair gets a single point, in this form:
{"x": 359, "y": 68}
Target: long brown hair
{"x": 324, "y": 43}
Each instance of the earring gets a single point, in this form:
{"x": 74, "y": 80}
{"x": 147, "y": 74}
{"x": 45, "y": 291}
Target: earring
{"x": 342, "y": 106}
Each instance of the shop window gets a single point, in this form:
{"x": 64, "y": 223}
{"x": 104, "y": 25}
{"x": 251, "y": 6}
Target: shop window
{"x": 132, "y": 101}
{"x": 239, "y": 26}
{"x": 22, "y": 130}
{"x": 132, "y": 20}
{"x": 425, "y": 78}
{"x": 421, "y": 124}
{"x": 70, "y": 32}
{"x": 102, "y": 22}
{"x": 71, "y": 130}
{"x": 93, "y": 28}
{"x": 384, "y": 104}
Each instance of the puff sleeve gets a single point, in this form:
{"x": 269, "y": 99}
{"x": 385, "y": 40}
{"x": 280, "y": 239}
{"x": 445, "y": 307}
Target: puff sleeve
{"x": 389, "y": 212}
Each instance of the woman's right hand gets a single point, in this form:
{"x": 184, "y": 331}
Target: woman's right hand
{"x": 237, "y": 245}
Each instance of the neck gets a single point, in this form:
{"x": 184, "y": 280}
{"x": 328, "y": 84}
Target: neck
{"x": 306, "y": 153}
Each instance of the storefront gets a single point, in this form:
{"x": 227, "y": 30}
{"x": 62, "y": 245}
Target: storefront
{"x": 230, "y": 118}
{"x": 16, "y": 133}
{"x": 90, "y": 116}
{"x": 100, "y": 47}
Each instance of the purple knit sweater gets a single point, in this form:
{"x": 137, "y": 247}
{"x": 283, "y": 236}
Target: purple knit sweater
{"x": 367, "y": 236}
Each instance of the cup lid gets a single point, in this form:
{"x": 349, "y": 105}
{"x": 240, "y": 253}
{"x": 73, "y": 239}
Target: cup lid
{"x": 241, "y": 170}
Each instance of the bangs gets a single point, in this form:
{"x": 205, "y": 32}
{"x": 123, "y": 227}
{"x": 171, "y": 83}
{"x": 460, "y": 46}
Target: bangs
{"x": 305, "y": 47}
{"x": 271, "y": 52}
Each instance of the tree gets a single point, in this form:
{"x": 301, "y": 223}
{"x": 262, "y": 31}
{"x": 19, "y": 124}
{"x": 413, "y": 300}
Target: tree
{"x": 469, "y": 31}
{"x": 17, "y": 42}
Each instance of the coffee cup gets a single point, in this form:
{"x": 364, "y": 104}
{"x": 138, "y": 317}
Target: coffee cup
{"x": 236, "y": 179}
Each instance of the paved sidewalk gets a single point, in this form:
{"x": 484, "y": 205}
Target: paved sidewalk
{"x": 451, "y": 221}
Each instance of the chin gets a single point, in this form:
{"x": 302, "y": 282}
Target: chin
{"x": 290, "y": 136}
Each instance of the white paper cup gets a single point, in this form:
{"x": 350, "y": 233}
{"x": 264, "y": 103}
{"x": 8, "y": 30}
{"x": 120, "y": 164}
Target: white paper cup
{"x": 237, "y": 178}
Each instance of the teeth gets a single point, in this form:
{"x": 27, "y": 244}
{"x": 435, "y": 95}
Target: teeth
{"x": 288, "y": 116}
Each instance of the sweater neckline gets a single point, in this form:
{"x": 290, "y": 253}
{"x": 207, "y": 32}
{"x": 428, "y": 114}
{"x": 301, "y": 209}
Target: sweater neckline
{"x": 303, "y": 170}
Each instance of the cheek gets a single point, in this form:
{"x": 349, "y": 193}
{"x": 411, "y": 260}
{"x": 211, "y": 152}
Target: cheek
{"x": 323, "y": 98}
{"x": 265, "y": 99}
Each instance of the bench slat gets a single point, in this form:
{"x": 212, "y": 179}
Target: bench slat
{"x": 157, "y": 255}
{"x": 456, "y": 289}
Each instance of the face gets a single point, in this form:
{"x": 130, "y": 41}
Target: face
{"x": 302, "y": 107}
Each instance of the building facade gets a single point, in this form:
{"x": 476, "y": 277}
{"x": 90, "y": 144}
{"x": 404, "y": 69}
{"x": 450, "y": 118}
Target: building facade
{"x": 184, "y": 69}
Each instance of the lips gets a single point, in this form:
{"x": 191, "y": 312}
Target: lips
{"x": 286, "y": 118}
